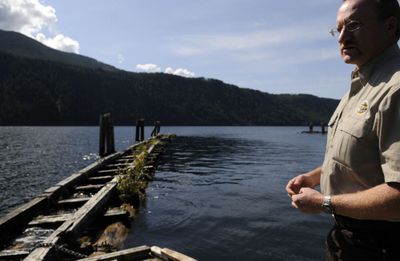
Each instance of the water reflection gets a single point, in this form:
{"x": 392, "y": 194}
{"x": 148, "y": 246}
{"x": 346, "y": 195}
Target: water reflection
{"x": 222, "y": 198}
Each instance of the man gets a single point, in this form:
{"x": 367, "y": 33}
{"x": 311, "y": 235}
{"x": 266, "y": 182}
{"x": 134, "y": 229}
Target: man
{"x": 360, "y": 175}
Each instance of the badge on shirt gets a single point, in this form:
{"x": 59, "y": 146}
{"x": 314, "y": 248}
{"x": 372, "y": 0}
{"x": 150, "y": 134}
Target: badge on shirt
{"x": 362, "y": 107}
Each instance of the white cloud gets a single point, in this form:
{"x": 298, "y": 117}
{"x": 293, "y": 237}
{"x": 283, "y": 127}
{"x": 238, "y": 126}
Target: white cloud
{"x": 30, "y": 17}
{"x": 59, "y": 42}
{"x": 151, "y": 68}
{"x": 180, "y": 72}
{"x": 25, "y": 16}
{"x": 148, "y": 67}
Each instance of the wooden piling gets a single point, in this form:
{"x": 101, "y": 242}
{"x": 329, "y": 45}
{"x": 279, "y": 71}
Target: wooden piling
{"x": 110, "y": 136}
{"x": 140, "y": 130}
{"x": 156, "y": 129}
{"x": 106, "y": 143}
{"x": 102, "y": 136}
{"x": 323, "y": 131}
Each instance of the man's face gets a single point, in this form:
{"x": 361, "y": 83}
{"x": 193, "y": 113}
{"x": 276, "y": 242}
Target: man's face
{"x": 360, "y": 45}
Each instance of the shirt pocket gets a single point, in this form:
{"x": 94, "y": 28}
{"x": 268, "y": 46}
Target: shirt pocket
{"x": 354, "y": 146}
{"x": 358, "y": 128}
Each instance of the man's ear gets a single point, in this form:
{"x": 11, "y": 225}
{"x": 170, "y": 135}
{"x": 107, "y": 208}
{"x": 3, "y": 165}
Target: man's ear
{"x": 391, "y": 25}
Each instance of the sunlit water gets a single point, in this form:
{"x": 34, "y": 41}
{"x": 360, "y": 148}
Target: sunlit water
{"x": 218, "y": 193}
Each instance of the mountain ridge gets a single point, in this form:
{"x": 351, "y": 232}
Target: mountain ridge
{"x": 24, "y": 46}
{"x": 44, "y": 91}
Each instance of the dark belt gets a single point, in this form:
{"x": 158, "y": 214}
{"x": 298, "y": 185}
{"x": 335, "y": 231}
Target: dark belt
{"x": 358, "y": 224}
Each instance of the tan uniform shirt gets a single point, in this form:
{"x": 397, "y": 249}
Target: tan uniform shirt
{"x": 363, "y": 143}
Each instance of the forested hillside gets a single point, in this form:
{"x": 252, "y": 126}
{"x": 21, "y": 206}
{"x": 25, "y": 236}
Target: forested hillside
{"x": 54, "y": 92}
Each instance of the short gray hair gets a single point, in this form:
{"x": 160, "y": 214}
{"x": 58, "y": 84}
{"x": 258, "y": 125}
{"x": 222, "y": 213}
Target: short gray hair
{"x": 389, "y": 8}
{"x": 386, "y": 9}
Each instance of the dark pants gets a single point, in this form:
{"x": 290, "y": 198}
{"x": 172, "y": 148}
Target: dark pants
{"x": 355, "y": 240}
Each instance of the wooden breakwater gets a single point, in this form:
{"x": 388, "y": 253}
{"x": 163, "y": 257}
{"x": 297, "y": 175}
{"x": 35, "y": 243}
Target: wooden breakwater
{"x": 68, "y": 220}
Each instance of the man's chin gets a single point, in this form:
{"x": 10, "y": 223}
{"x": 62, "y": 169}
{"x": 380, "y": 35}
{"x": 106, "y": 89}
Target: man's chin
{"x": 350, "y": 55}
{"x": 348, "y": 59}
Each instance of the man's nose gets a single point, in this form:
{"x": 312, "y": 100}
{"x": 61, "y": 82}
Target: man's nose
{"x": 343, "y": 35}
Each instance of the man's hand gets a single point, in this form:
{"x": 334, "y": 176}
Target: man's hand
{"x": 301, "y": 181}
{"x": 301, "y": 190}
{"x": 308, "y": 200}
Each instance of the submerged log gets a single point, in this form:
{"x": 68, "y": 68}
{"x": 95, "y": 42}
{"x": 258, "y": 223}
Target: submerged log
{"x": 112, "y": 239}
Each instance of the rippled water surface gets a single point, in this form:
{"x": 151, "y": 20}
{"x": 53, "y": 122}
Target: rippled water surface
{"x": 218, "y": 193}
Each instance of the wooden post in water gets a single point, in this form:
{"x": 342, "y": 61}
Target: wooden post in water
{"x": 311, "y": 127}
{"x": 106, "y": 144}
{"x": 102, "y": 144}
{"x": 156, "y": 129}
{"x": 140, "y": 130}
{"x": 323, "y": 128}
{"x": 110, "y": 136}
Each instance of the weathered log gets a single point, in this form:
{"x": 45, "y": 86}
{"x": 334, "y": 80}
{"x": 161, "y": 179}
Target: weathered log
{"x": 112, "y": 239}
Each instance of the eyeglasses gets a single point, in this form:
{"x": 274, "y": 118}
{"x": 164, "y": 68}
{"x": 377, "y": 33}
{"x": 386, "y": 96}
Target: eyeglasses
{"x": 350, "y": 26}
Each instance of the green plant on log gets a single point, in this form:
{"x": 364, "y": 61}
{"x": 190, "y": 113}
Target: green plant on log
{"x": 132, "y": 183}
{"x": 133, "y": 179}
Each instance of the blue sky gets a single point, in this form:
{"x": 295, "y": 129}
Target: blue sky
{"x": 268, "y": 45}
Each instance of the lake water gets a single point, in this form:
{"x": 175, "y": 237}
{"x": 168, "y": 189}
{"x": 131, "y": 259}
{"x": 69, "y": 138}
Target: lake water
{"x": 218, "y": 193}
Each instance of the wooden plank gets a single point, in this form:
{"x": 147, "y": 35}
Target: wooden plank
{"x": 107, "y": 171}
{"x": 175, "y": 256}
{"x": 136, "y": 253}
{"x": 13, "y": 254}
{"x": 118, "y": 165}
{"x": 128, "y": 157}
{"x": 101, "y": 178}
{"x": 125, "y": 160}
{"x": 50, "y": 219}
{"x": 73, "y": 200}
{"x": 90, "y": 187}
{"x": 116, "y": 213}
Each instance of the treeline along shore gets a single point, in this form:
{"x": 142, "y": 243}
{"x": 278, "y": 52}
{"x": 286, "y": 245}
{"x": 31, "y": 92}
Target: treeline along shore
{"x": 42, "y": 86}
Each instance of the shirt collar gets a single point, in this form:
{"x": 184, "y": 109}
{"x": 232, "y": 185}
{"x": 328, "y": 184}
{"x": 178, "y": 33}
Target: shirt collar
{"x": 366, "y": 71}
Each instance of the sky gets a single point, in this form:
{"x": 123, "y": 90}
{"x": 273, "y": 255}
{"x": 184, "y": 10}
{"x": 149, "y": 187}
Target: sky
{"x": 267, "y": 45}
